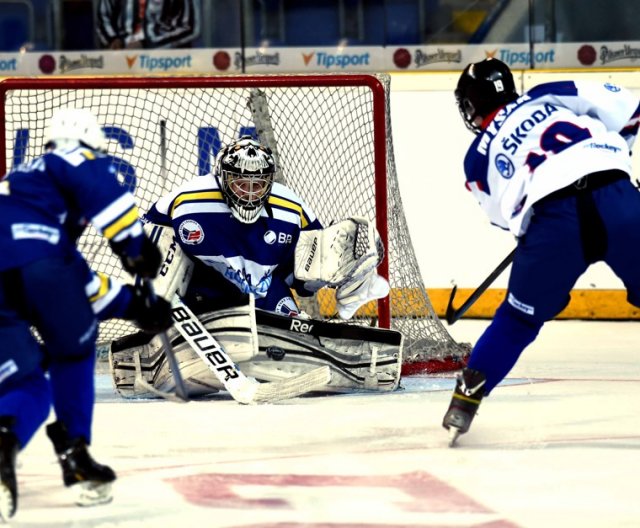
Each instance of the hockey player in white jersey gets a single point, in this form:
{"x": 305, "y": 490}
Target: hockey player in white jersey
{"x": 45, "y": 283}
{"x": 552, "y": 166}
{"x": 244, "y": 237}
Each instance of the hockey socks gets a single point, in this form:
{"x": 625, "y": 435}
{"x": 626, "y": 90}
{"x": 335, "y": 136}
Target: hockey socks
{"x": 73, "y": 388}
{"x": 501, "y": 344}
{"x": 494, "y": 355}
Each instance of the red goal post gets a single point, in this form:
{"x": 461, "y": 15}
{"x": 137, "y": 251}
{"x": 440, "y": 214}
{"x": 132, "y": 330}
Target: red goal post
{"x": 331, "y": 135}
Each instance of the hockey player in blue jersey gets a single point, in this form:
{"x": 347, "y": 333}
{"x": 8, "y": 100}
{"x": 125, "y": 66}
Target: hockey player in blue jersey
{"x": 45, "y": 283}
{"x": 552, "y": 166}
{"x": 240, "y": 229}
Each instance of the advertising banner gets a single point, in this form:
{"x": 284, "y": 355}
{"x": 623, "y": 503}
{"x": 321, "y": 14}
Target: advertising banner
{"x": 449, "y": 57}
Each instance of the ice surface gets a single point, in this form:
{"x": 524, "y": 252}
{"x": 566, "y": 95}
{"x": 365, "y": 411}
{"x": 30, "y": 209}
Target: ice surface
{"x": 558, "y": 444}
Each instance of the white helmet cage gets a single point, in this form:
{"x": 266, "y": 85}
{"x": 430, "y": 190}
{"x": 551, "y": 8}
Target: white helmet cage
{"x": 71, "y": 125}
{"x": 246, "y": 170}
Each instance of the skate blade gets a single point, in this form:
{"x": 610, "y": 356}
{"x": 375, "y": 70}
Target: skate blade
{"x": 91, "y": 493}
{"x": 454, "y": 433}
{"x": 7, "y": 506}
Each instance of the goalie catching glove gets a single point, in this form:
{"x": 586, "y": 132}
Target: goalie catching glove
{"x": 344, "y": 256}
{"x": 352, "y": 296}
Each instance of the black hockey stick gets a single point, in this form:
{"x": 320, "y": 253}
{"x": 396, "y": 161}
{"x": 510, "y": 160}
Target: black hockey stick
{"x": 452, "y": 314}
{"x": 181, "y": 390}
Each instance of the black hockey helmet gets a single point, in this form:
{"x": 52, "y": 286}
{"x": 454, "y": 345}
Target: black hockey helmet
{"x": 482, "y": 88}
{"x": 246, "y": 169}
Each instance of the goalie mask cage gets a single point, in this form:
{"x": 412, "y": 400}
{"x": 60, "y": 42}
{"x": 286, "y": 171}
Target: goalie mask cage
{"x": 331, "y": 136}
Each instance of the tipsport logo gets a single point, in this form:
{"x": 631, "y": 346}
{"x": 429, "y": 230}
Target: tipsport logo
{"x": 8, "y": 64}
{"x": 160, "y": 63}
{"x": 337, "y": 61}
{"x": 522, "y": 58}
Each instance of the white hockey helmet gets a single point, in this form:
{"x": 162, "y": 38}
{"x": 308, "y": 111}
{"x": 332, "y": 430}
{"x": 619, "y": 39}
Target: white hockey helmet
{"x": 69, "y": 125}
{"x": 246, "y": 170}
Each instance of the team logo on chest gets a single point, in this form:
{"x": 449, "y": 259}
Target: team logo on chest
{"x": 191, "y": 232}
{"x": 504, "y": 166}
{"x": 271, "y": 237}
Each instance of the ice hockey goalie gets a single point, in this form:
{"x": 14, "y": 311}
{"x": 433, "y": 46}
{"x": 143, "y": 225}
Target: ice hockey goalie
{"x": 264, "y": 345}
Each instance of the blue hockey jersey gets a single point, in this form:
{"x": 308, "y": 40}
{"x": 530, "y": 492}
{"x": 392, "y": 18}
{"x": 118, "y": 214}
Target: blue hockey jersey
{"x": 46, "y": 204}
{"x": 545, "y": 140}
{"x": 247, "y": 255}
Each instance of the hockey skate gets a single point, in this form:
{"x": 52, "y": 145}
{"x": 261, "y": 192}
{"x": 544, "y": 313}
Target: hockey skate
{"x": 8, "y": 485}
{"x": 464, "y": 403}
{"x": 89, "y": 481}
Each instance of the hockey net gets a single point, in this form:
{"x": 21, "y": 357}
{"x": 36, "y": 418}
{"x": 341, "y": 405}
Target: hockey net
{"x": 331, "y": 135}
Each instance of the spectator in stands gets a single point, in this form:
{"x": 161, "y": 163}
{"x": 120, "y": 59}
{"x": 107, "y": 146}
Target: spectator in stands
{"x": 148, "y": 24}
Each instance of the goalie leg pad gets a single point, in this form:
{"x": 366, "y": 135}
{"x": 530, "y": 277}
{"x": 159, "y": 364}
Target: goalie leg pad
{"x": 139, "y": 356}
{"x": 360, "y": 358}
{"x": 131, "y": 360}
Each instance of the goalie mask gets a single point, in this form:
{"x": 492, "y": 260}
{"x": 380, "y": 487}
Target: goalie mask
{"x": 246, "y": 170}
{"x": 484, "y": 87}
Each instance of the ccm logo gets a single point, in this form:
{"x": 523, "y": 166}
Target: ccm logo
{"x": 164, "y": 269}
{"x": 300, "y": 326}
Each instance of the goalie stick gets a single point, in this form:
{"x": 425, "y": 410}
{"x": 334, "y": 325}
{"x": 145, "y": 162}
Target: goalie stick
{"x": 452, "y": 314}
{"x": 243, "y": 389}
{"x": 181, "y": 394}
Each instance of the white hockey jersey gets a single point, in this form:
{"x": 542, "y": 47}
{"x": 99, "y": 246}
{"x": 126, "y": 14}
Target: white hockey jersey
{"x": 545, "y": 140}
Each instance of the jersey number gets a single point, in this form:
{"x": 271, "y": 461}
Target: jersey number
{"x": 555, "y": 139}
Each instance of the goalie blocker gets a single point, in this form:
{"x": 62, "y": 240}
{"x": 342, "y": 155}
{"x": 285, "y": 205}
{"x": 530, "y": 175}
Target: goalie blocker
{"x": 359, "y": 358}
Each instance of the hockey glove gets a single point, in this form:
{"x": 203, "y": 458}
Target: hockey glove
{"x": 150, "y": 313}
{"x": 355, "y": 294}
{"x": 146, "y": 264}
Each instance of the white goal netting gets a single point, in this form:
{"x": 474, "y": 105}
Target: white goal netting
{"x": 332, "y": 139}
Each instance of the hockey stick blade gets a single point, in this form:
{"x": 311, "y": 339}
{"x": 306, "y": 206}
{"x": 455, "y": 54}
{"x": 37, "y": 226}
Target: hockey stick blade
{"x": 181, "y": 393}
{"x": 292, "y": 387}
{"x": 452, "y": 314}
{"x": 243, "y": 389}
